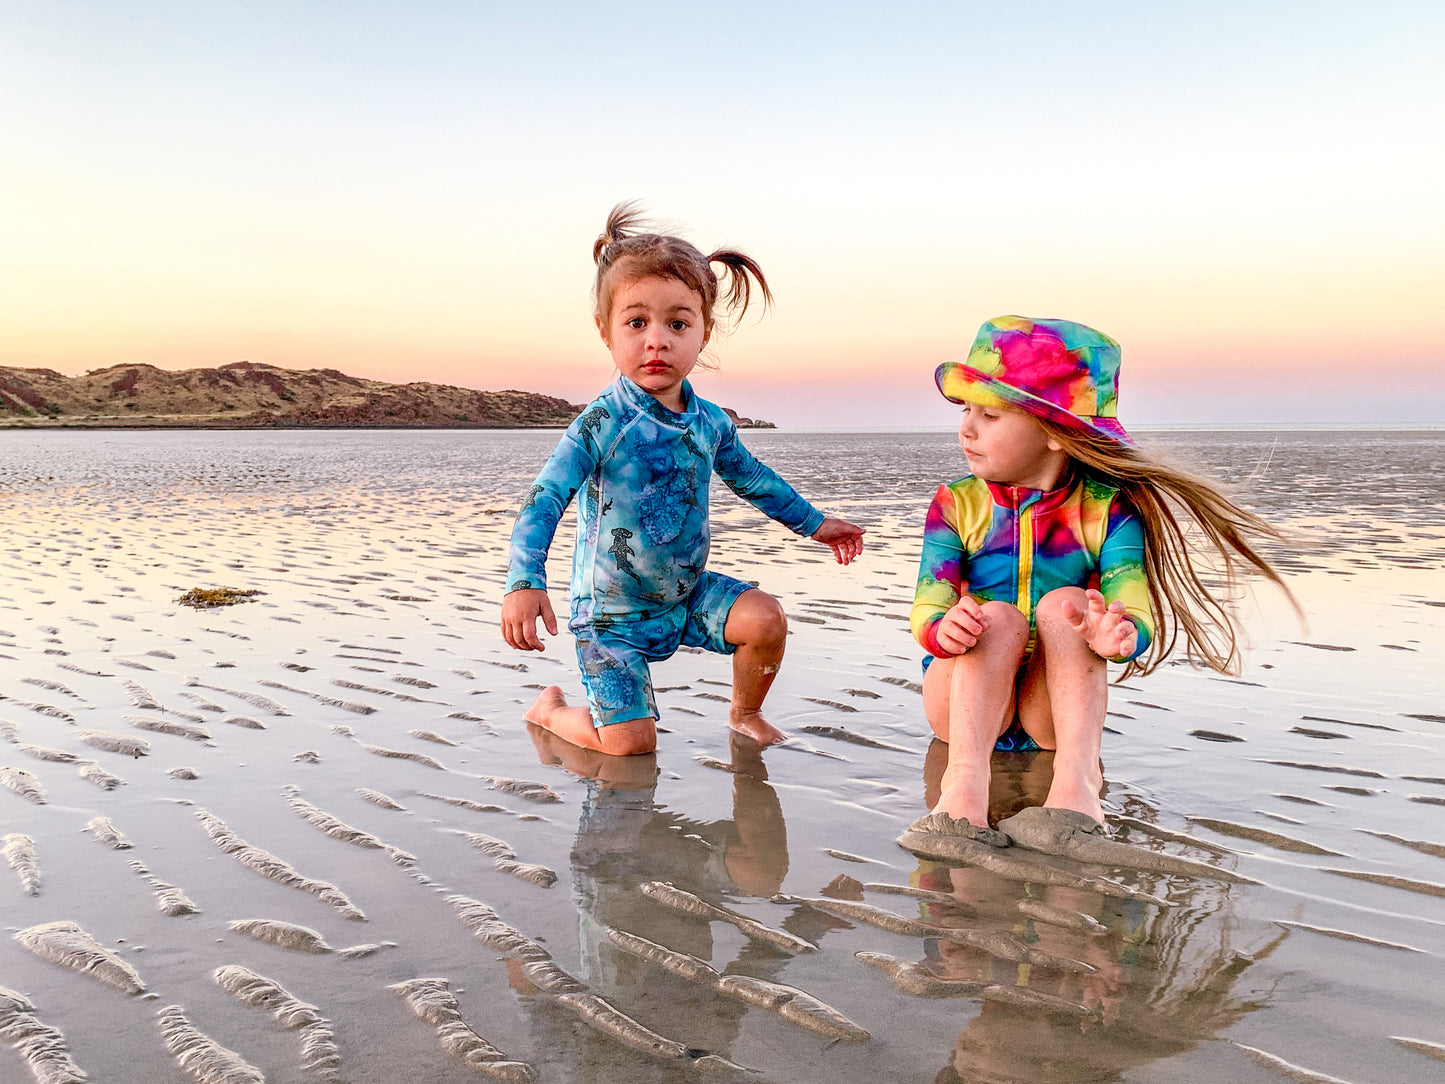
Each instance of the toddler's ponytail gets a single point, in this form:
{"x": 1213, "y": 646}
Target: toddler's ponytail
{"x": 622, "y": 248}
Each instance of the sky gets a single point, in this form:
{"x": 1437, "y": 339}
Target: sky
{"x": 1244, "y": 195}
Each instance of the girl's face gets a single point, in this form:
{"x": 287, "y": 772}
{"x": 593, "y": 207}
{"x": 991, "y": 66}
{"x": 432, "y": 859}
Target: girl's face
{"x": 655, "y": 333}
{"x": 1010, "y": 448}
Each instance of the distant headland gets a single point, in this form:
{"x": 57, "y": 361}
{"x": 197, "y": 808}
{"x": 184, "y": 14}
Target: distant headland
{"x": 249, "y": 395}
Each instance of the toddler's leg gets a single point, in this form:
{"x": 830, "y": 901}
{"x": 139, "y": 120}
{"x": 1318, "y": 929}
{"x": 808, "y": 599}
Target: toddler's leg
{"x": 619, "y": 692}
{"x": 758, "y": 630}
{"x": 969, "y": 701}
{"x": 1062, "y": 705}
{"x": 574, "y": 724}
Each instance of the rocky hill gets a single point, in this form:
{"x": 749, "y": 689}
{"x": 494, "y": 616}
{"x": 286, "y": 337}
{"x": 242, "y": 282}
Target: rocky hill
{"x": 245, "y": 394}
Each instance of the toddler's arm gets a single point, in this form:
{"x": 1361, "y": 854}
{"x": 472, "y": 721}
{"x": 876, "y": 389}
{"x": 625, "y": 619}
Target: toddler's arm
{"x": 762, "y": 487}
{"x": 563, "y": 475}
{"x": 842, "y": 537}
{"x": 520, "y": 611}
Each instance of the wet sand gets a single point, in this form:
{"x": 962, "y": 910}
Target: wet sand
{"x": 336, "y": 792}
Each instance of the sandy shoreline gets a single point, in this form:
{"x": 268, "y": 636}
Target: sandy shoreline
{"x": 378, "y": 622}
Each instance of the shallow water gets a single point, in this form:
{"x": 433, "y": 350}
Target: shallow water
{"x": 381, "y": 557}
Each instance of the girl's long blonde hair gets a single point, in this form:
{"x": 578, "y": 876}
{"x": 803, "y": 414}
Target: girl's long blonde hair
{"x": 1179, "y": 571}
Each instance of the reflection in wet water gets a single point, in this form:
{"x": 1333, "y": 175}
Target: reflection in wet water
{"x": 1314, "y": 775}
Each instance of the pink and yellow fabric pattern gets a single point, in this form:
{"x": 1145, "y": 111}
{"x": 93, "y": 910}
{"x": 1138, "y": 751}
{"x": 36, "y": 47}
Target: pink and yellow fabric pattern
{"x": 1055, "y": 369}
{"x": 1000, "y": 543}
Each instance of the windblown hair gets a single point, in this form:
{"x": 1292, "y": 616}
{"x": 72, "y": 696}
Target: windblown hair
{"x": 624, "y": 254}
{"x": 1192, "y": 587}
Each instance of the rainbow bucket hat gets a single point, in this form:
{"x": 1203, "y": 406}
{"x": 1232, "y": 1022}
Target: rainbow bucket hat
{"x": 1054, "y": 369}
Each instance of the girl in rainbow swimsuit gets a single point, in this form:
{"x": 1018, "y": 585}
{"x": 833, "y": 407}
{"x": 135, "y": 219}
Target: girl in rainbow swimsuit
{"x": 1059, "y": 552}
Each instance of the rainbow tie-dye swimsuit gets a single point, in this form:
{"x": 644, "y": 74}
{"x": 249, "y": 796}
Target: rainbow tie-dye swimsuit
{"x": 1001, "y": 543}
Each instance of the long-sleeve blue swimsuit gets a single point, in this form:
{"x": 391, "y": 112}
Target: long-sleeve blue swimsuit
{"x": 641, "y": 474}
{"x": 642, "y": 530}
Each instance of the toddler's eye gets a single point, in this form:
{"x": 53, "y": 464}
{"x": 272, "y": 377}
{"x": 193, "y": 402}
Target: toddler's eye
{"x": 637, "y": 323}
{"x": 678, "y": 325}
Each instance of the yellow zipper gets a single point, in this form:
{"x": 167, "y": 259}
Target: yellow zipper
{"x": 1026, "y": 561}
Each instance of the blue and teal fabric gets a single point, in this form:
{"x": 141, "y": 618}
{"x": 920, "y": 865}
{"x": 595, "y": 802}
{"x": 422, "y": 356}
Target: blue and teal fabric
{"x": 641, "y": 473}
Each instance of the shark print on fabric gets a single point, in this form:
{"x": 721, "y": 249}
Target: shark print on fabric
{"x": 645, "y": 470}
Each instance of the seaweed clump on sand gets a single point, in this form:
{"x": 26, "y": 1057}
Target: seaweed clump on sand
{"x": 206, "y": 598}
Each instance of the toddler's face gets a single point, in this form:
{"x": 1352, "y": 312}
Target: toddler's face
{"x": 1009, "y": 447}
{"x": 655, "y": 333}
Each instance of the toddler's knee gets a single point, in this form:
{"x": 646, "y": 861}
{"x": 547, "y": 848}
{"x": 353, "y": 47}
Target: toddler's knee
{"x": 629, "y": 739}
{"x": 757, "y": 617}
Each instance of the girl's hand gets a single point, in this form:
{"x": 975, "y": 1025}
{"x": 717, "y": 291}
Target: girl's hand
{"x": 844, "y": 539}
{"x": 520, "y": 611}
{"x": 1107, "y": 629}
{"x": 961, "y": 626}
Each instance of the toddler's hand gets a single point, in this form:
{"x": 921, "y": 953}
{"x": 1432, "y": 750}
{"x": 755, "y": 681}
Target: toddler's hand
{"x": 520, "y": 611}
{"x": 1107, "y": 629}
{"x": 961, "y": 626}
{"x": 844, "y": 539}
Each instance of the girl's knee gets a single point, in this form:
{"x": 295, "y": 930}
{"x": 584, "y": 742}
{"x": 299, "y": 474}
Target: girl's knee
{"x": 1061, "y": 604}
{"x": 1004, "y": 618}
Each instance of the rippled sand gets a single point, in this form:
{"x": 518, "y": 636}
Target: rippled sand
{"x": 323, "y": 772}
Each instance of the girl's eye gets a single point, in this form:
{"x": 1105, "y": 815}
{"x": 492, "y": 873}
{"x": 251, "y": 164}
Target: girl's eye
{"x": 637, "y": 323}
{"x": 678, "y": 325}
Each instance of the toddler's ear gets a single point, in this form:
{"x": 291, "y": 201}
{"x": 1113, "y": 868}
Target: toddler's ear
{"x": 602, "y": 330}
{"x": 1055, "y": 446}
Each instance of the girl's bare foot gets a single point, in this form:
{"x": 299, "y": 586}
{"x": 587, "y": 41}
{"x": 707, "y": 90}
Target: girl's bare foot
{"x": 548, "y": 701}
{"x": 957, "y": 803}
{"x": 751, "y": 724}
{"x": 963, "y": 798}
{"x": 1080, "y": 798}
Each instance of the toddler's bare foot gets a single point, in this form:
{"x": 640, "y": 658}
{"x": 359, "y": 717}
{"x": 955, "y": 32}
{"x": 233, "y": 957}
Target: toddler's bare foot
{"x": 751, "y": 724}
{"x": 548, "y": 701}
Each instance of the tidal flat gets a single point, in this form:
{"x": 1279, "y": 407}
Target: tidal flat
{"x": 326, "y": 793}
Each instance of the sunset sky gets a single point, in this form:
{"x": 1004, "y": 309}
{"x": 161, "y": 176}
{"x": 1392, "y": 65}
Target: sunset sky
{"x": 1245, "y": 195}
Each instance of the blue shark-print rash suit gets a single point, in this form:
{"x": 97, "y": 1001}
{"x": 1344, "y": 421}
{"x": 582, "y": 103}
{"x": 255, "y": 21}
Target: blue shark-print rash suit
{"x": 641, "y": 473}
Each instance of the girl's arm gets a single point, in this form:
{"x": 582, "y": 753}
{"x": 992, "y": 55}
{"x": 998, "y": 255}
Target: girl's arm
{"x": 1122, "y": 579}
{"x": 941, "y": 570}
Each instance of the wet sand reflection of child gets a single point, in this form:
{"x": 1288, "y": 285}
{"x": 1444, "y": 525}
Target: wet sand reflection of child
{"x": 1167, "y": 979}
{"x": 625, "y": 838}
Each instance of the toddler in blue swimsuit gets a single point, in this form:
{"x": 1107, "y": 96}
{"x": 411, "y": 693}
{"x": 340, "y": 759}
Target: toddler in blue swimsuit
{"x": 638, "y": 461}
